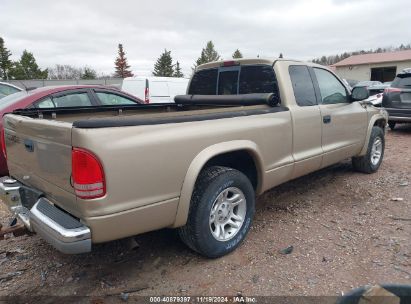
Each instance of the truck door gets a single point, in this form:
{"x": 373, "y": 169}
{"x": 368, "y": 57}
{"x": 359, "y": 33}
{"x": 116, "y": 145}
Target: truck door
{"x": 344, "y": 123}
{"x": 306, "y": 120}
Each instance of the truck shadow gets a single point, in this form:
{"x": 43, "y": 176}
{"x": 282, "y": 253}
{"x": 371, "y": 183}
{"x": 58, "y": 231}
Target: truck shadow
{"x": 401, "y": 129}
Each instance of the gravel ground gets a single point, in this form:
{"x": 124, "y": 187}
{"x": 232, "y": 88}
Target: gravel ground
{"x": 347, "y": 229}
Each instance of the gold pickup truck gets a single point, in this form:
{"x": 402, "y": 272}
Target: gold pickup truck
{"x": 89, "y": 175}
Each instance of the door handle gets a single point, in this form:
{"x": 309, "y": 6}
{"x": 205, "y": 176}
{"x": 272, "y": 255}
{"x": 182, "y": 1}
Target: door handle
{"x": 327, "y": 119}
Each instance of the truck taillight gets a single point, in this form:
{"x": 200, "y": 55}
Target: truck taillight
{"x": 3, "y": 143}
{"x": 392, "y": 90}
{"x": 88, "y": 174}
{"x": 146, "y": 95}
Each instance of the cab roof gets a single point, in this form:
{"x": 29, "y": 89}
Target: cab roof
{"x": 248, "y": 61}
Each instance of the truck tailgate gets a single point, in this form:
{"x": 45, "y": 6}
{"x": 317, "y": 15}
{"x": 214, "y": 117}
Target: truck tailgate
{"x": 39, "y": 155}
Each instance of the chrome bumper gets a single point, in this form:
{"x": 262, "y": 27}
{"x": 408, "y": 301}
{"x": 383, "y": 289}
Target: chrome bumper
{"x": 399, "y": 119}
{"x": 57, "y": 227}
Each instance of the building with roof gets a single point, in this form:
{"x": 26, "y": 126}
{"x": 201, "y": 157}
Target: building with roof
{"x": 376, "y": 66}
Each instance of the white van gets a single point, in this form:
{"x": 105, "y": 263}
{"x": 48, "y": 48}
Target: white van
{"x": 155, "y": 89}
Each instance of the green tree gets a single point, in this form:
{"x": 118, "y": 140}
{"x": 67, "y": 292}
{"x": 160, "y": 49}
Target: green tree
{"x": 121, "y": 65}
{"x": 208, "y": 54}
{"x": 89, "y": 73}
{"x": 237, "y": 54}
{"x": 177, "y": 71}
{"x": 27, "y": 68}
{"x": 164, "y": 65}
{"x": 5, "y": 62}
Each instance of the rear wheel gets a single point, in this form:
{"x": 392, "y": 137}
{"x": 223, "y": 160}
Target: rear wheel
{"x": 221, "y": 212}
{"x": 371, "y": 161}
{"x": 391, "y": 124}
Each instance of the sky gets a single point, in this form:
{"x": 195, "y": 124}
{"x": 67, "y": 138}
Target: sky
{"x": 87, "y": 32}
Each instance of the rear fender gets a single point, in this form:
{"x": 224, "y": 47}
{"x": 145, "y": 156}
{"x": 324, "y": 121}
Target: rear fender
{"x": 198, "y": 164}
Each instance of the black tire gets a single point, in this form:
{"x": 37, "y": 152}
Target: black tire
{"x": 391, "y": 124}
{"x": 211, "y": 182}
{"x": 364, "y": 163}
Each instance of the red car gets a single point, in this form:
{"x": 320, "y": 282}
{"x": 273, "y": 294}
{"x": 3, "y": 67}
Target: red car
{"x": 59, "y": 97}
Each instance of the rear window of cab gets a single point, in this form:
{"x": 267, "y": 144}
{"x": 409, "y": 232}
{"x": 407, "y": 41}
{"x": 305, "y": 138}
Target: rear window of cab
{"x": 234, "y": 80}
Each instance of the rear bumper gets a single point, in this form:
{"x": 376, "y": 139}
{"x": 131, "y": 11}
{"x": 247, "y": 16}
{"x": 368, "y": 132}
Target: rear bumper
{"x": 399, "y": 115}
{"x": 55, "y": 226}
{"x": 399, "y": 119}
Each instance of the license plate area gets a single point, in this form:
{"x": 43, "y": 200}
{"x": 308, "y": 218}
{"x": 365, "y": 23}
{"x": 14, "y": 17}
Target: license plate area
{"x": 29, "y": 196}
{"x": 406, "y": 98}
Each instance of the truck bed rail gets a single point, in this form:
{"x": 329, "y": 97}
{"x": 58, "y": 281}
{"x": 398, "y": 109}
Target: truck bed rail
{"x": 182, "y": 102}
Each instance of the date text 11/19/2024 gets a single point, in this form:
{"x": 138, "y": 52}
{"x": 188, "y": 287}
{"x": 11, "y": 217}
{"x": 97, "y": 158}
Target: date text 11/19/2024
{"x": 203, "y": 299}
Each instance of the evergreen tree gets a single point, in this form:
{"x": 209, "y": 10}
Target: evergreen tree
{"x": 281, "y": 55}
{"x": 177, "y": 71}
{"x": 202, "y": 59}
{"x": 237, "y": 54}
{"x": 5, "y": 62}
{"x": 27, "y": 68}
{"x": 121, "y": 65}
{"x": 89, "y": 73}
{"x": 208, "y": 54}
{"x": 164, "y": 65}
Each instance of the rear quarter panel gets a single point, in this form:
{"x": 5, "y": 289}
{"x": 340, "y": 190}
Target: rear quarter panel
{"x": 148, "y": 164}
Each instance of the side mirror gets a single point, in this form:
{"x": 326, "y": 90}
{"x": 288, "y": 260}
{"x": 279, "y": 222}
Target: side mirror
{"x": 359, "y": 93}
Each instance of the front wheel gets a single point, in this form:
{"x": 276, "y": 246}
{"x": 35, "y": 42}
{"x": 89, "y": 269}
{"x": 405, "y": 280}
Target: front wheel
{"x": 221, "y": 211}
{"x": 391, "y": 124}
{"x": 371, "y": 161}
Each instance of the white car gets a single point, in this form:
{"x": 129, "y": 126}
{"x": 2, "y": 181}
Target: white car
{"x": 155, "y": 89}
{"x": 7, "y": 89}
{"x": 376, "y": 92}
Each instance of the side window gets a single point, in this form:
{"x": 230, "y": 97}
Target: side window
{"x": 204, "y": 82}
{"x": 45, "y": 103}
{"x": 7, "y": 90}
{"x": 302, "y": 85}
{"x": 332, "y": 90}
{"x": 73, "y": 100}
{"x": 257, "y": 79}
{"x": 108, "y": 99}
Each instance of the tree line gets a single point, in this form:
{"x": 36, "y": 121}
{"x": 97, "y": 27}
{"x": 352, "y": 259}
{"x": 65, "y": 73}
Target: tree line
{"x": 330, "y": 60}
{"x": 165, "y": 66}
{"x": 27, "y": 68}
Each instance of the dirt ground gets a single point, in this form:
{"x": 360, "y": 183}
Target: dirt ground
{"x": 347, "y": 229}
